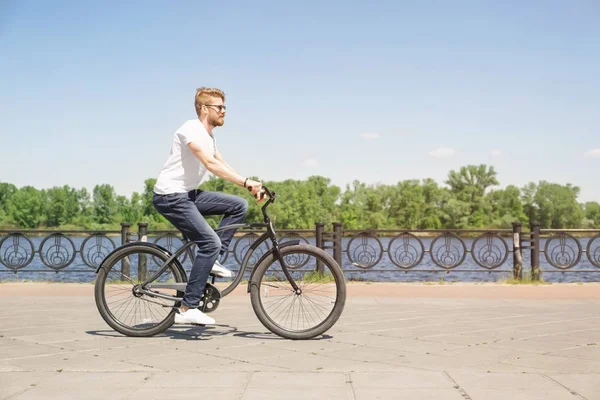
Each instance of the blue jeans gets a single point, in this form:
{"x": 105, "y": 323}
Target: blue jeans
{"x": 185, "y": 211}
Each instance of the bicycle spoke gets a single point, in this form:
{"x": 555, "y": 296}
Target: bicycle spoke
{"x": 137, "y": 311}
{"x": 298, "y": 312}
{"x": 312, "y": 302}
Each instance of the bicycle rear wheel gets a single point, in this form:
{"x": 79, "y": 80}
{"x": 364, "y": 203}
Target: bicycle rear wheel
{"x": 310, "y": 313}
{"x": 128, "y": 312}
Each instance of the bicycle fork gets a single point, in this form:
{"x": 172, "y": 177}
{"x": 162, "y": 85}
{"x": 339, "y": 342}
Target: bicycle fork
{"x": 284, "y": 267}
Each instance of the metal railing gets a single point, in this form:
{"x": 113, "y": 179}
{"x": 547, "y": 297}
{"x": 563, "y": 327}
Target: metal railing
{"x": 389, "y": 250}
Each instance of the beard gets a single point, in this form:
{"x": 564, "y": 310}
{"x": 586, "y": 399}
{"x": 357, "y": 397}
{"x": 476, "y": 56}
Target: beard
{"x": 217, "y": 121}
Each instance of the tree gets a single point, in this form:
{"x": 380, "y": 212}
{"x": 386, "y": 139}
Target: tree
{"x": 324, "y": 198}
{"x": 505, "y": 207}
{"x": 74, "y": 206}
{"x": 433, "y": 196}
{"x": 25, "y": 207}
{"x": 359, "y": 203}
{"x": 105, "y": 204}
{"x": 592, "y": 213}
{"x": 85, "y": 214}
{"x": 454, "y": 212}
{"x": 56, "y": 208}
{"x": 130, "y": 210}
{"x": 149, "y": 213}
{"x": 299, "y": 204}
{"x": 557, "y": 205}
{"x": 469, "y": 185}
{"x": 6, "y": 192}
{"x": 528, "y": 200}
{"x": 406, "y": 204}
{"x": 467, "y": 202}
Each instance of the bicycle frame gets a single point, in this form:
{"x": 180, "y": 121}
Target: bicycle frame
{"x": 146, "y": 286}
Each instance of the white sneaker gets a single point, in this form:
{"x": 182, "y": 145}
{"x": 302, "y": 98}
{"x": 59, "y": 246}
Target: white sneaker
{"x": 193, "y": 316}
{"x": 221, "y": 271}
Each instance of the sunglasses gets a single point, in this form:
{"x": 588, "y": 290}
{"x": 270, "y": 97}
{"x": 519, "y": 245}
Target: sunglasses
{"x": 220, "y": 107}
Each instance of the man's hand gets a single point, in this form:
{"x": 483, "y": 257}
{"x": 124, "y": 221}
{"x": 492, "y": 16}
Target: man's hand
{"x": 261, "y": 197}
{"x": 255, "y": 187}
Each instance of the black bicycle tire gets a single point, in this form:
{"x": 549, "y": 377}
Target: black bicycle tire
{"x": 331, "y": 319}
{"x": 101, "y": 300}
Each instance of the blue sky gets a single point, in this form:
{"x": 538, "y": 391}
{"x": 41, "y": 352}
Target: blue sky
{"x": 378, "y": 91}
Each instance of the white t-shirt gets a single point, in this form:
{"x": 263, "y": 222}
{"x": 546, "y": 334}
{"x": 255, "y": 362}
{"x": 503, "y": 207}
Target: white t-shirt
{"x": 183, "y": 171}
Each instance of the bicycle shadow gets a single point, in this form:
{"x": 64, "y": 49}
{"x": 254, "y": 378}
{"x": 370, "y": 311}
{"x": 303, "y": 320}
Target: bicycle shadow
{"x": 193, "y": 333}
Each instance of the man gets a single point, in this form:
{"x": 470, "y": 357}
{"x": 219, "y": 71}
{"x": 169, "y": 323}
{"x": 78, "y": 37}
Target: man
{"x": 178, "y": 199}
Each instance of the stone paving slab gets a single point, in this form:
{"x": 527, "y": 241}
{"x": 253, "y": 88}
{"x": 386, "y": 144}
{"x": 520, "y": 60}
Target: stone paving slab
{"x": 387, "y": 345}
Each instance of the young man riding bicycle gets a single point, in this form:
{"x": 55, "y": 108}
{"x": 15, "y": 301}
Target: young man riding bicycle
{"x": 177, "y": 197}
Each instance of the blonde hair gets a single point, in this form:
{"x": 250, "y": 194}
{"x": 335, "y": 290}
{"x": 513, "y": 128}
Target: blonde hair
{"x": 203, "y": 97}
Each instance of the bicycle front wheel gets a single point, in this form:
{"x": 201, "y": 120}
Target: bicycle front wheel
{"x": 128, "y": 312}
{"x": 308, "y": 314}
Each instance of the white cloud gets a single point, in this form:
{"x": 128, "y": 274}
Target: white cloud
{"x": 442, "y": 152}
{"x": 311, "y": 162}
{"x": 495, "y": 153}
{"x": 370, "y": 135}
{"x": 593, "y": 153}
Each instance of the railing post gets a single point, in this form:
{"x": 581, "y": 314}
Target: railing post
{"x": 125, "y": 263}
{"x": 143, "y": 237}
{"x": 337, "y": 242}
{"x": 517, "y": 253}
{"x": 142, "y": 231}
{"x": 125, "y": 228}
{"x": 319, "y": 228}
{"x": 535, "y": 251}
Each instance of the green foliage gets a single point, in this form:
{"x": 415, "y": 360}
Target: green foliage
{"x": 468, "y": 185}
{"x": 504, "y": 207}
{"x": 25, "y": 207}
{"x": 592, "y": 214}
{"x": 466, "y": 202}
{"x": 149, "y": 213}
{"x": 62, "y": 206}
{"x": 105, "y": 204}
{"x": 6, "y": 192}
{"x": 557, "y": 205}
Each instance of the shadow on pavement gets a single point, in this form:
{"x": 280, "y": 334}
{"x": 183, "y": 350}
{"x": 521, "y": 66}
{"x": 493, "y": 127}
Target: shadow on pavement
{"x": 204, "y": 333}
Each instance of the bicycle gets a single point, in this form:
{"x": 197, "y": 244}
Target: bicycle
{"x": 287, "y": 270}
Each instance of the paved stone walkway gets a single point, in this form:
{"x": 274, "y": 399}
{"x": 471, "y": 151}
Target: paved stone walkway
{"x": 462, "y": 345}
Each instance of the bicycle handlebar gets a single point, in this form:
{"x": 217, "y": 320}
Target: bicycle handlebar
{"x": 268, "y": 192}
{"x": 271, "y": 199}
{"x": 265, "y": 190}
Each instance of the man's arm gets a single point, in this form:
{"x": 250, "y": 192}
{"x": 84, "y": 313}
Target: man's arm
{"x": 215, "y": 165}
{"x": 221, "y": 169}
{"x": 219, "y": 157}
